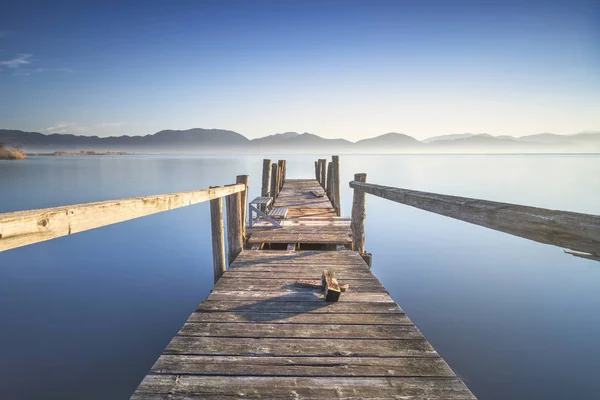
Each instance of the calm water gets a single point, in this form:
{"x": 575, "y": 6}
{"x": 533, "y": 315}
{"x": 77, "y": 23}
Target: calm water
{"x": 86, "y": 316}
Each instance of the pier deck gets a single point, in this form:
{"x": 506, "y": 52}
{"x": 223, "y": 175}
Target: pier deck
{"x": 261, "y": 335}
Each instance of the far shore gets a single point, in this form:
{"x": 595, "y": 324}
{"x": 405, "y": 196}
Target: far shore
{"x": 11, "y": 154}
{"x": 82, "y": 153}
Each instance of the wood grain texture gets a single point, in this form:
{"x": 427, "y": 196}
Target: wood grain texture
{"x": 575, "y": 231}
{"x": 23, "y": 228}
{"x": 358, "y": 215}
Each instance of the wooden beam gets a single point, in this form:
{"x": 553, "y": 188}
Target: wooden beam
{"x": 358, "y": 215}
{"x": 335, "y": 186}
{"x": 23, "y": 228}
{"x": 266, "y": 178}
{"x": 575, "y": 231}
{"x": 218, "y": 237}
{"x": 235, "y": 240}
{"x": 317, "y": 173}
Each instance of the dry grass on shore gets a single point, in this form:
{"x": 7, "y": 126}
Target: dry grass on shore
{"x": 11, "y": 154}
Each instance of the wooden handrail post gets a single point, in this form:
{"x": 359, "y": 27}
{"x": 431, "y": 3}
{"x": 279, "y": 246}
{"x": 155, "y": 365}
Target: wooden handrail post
{"x": 274, "y": 181}
{"x": 218, "y": 236}
{"x": 358, "y": 216}
{"x": 235, "y": 240}
{"x": 243, "y": 179}
{"x": 266, "y": 178}
{"x": 335, "y": 186}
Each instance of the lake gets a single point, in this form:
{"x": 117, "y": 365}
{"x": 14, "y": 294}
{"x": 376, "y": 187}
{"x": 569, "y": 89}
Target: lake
{"x": 86, "y": 316}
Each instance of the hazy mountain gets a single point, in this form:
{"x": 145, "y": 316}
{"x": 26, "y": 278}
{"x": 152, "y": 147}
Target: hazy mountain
{"x": 389, "y": 142}
{"x": 295, "y": 142}
{"x": 224, "y": 141}
{"x": 448, "y": 137}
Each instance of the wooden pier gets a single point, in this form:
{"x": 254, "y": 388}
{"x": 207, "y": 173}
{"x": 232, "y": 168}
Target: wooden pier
{"x": 262, "y": 333}
{"x": 266, "y": 331}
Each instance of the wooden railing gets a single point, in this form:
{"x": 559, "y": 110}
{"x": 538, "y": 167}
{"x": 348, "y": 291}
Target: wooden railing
{"x": 574, "y": 231}
{"x": 23, "y": 228}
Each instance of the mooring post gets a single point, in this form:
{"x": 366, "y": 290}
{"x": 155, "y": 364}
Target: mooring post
{"x": 274, "y": 181}
{"x": 266, "y": 178}
{"x": 335, "y": 186}
{"x": 329, "y": 182}
{"x": 322, "y": 171}
{"x": 280, "y": 177}
{"x": 317, "y": 173}
{"x": 284, "y": 170}
{"x": 235, "y": 240}
{"x": 358, "y": 216}
{"x": 243, "y": 201}
{"x": 218, "y": 236}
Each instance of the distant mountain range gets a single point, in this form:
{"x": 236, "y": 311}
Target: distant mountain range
{"x": 199, "y": 140}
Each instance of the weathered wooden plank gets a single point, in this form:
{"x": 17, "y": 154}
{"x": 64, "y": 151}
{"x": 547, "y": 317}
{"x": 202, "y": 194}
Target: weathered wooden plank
{"x": 300, "y": 273}
{"x": 242, "y": 316}
{"x": 302, "y": 366}
{"x": 198, "y": 387}
{"x": 295, "y": 296}
{"x": 22, "y": 228}
{"x": 299, "y": 307}
{"x": 580, "y": 232}
{"x": 304, "y": 347}
{"x": 250, "y": 284}
{"x": 315, "y": 331}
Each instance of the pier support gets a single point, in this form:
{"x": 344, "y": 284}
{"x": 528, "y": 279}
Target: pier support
{"x": 335, "y": 185}
{"x": 235, "y": 240}
{"x": 218, "y": 237}
{"x": 323, "y": 172}
{"x": 274, "y": 178}
{"x": 358, "y": 216}
{"x": 266, "y": 178}
{"x": 243, "y": 179}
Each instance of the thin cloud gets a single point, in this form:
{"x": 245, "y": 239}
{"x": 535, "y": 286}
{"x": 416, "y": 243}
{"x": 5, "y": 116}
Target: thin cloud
{"x": 18, "y": 61}
{"x": 61, "y": 127}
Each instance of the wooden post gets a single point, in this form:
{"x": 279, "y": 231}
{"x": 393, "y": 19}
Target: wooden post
{"x": 335, "y": 186}
{"x": 280, "y": 177}
{"x": 274, "y": 181}
{"x": 243, "y": 179}
{"x": 329, "y": 181}
{"x": 266, "y": 178}
{"x": 218, "y": 237}
{"x": 322, "y": 171}
{"x": 235, "y": 240}
{"x": 358, "y": 216}
{"x": 317, "y": 171}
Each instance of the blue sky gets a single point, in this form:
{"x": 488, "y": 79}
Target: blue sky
{"x": 338, "y": 69}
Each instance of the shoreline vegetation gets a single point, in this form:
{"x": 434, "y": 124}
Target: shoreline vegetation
{"x": 11, "y": 154}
